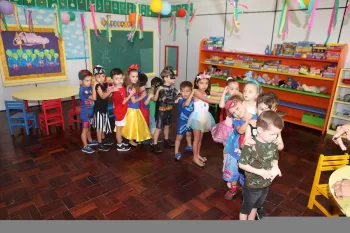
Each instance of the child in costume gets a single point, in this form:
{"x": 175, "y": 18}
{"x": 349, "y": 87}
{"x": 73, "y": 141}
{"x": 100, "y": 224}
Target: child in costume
{"x": 144, "y": 103}
{"x": 155, "y": 84}
{"x": 87, "y": 95}
{"x": 166, "y": 96}
{"x": 100, "y": 120}
{"x": 231, "y": 173}
{"x": 251, "y": 91}
{"x": 136, "y": 128}
{"x": 221, "y": 131}
{"x": 200, "y": 120}
{"x": 185, "y": 108}
{"x": 120, "y": 106}
{"x": 260, "y": 163}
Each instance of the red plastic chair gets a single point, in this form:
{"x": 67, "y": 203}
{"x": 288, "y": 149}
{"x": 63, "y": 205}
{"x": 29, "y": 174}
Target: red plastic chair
{"x": 52, "y": 115}
{"x": 73, "y": 116}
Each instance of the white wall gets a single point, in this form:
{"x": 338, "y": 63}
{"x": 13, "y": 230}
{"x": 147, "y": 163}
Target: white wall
{"x": 258, "y": 29}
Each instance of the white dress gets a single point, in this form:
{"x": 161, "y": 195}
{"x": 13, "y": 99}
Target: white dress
{"x": 201, "y": 119}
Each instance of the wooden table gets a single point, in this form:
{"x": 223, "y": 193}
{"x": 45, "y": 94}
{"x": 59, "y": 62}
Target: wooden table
{"x": 341, "y": 173}
{"x": 47, "y": 93}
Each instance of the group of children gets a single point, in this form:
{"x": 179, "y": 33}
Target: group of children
{"x": 250, "y": 133}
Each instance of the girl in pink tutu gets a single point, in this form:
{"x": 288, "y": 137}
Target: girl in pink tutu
{"x": 221, "y": 131}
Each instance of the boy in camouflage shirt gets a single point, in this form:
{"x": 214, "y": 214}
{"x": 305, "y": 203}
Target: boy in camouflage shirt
{"x": 260, "y": 163}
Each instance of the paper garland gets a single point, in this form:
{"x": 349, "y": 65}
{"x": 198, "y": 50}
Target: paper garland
{"x": 312, "y": 12}
{"x": 333, "y": 20}
{"x": 347, "y": 12}
{"x": 15, "y": 15}
{"x": 116, "y": 24}
{"x": 92, "y": 9}
{"x": 133, "y": 31}
{"x": 159, "y": 26}
{"x": 238, "y": 8}
{"x": 30, "y": 21}
{"x": 283, "y": 25}
{"x": 173, "y": 25}
{"x": 82, "y": 20}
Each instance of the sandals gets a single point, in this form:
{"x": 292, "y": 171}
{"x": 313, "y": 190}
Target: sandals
{"x": 203, "y": 159}
{"x": 198, "y": 163}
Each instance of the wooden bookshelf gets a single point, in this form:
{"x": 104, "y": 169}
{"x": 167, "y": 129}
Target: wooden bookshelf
{"x": 293, "y": 102}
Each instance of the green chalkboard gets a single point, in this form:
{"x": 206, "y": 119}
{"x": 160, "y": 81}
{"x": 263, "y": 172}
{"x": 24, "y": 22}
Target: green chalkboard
{"x": 120, "y": 53}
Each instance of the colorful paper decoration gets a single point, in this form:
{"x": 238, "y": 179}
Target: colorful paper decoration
{"x": 15, "y": 15}
{"x": 92, "y": 9}
{"x": 108, "y": 29}
{"x": 3, "y": 24}
{"x": 283, "y": 25}
{"x": 347, "y": 12}
{"x": 58, "y": 22}
{"x": 237, "y": 9}
{"x": 137, "y": 21}
{"x": 333, "y": 20}
{"x": 82, "y": 20}
{"x": 141, "y": 27}
{"x": 30, "y": 21}
{"x": 173, "y": 25}
{"x": 6, "y": 8}
{"x": 312, "y": 12}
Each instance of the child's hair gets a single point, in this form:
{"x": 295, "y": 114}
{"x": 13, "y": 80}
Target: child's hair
{"x": 268, "y": 118}
{"x": 155, "y": 83}
{"x": 268, "y": 98}
{"x": 185, "y": 84}
{"x": 143, "y": 79}
{"x": 127, "y": 81}
{"x": 116, "y": 71}
{"x": 236, "y": 98}
{"x": 168, "y": 68}
{"x": 167, "y": 72}
{"x": 83, "y": 74}
{"x": 230, "y": 80}
{"x": 199, "y": 77}
{"x": 256, "y": 83}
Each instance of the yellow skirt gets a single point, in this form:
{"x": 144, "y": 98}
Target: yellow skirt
{"x": 136, "y": 127}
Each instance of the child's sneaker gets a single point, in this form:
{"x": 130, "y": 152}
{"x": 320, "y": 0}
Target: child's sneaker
{"x": 107, "y": 142}
{"x": 230, "y": 194}
{"x": 178, "y": 156}
{"x": 260, "y": 213}
{"x": 123, "y": 147}
{"x": 103, "y": 147}
{"x": 93, "y": 143}
{"x": 189, "y": 148}
{"x": 169, "y": 143}
{"x": 156, "y": 148}
{"x": 88, "y": 150}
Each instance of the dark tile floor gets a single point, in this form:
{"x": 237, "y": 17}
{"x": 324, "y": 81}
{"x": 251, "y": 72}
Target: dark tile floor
{"x": 48, "y": 177}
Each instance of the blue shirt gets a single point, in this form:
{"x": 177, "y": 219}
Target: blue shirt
{"x": 184, "y": 112}
{"x": 84, "y": 93}
{"x": 232, "y": 144}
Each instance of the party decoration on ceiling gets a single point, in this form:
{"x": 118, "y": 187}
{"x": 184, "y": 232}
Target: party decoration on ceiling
{"x": 30, "y": 21}
{"x": 82, "y": 20}
{"x": 166, "y": 9}
{"x": 283, "y": 25}
{"x": 141, "y": 28}
{"x": 333, "y": 20}
{"x": 311, "y": 12}
{"x": 58, "y": 22}
{"x": 71, "y": 16}
{"x": 65, "y": 17}
{"x": 173, "y": 25}
{"x": 238, "y": 8}
{"x": 189, "y": 15}
{"x": 156, "y": 6}
{"x": 159, "y": 26}
{"x": 138, "y": 21}
{"x": 6, "y": 8}
{"x": 15, "y": 14}
{"x": 347, "y": 12}
{"x": 115, "y": 24}
{"x": 108, "y": 29}
{"x": 132, "y": 19}
{"x": 181, "y": 12}
{"x": 92, "y": 9}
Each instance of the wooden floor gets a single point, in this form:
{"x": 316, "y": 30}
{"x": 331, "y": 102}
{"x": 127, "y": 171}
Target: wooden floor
{"x": 48, "y": 177}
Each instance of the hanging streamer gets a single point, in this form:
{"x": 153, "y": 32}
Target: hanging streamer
{"x": 192, "y": 16}
{"x": 3, "y": 24}
{"x": 310, "y": 7}
{"x": 82, "y": 20}
{"x": 171, "y": 23}
{"x": 15, "y": 14}
{"x": 58, "y": 21}
{"x": 312, "y": 16}
{"x": 159, "y": 26}
{"x": 347, "y": 12}
{"x": 30, "y": 21}
{"x": 282, "y": 28}
{"x": 133, "y": 31}
{"x": 174, "y": 35}
{"x": 108, "y": 29}
{"x": 301, "y": 3}
{"x": 187, "y": 17}
{"x": 336, "y": 13}
{"x": 332, "y": 20}
{"x": 92, "y": 9}
{"x": 141, "y": 27}
{"x": 238, "y": 9}
{"x": 56, "y": 25}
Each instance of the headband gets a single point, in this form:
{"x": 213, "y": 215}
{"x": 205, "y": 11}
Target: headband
{"x": 98, "y": 70}
{"x": 229, "y": 78}
{"x": 203, "y": 76}
{"x": 255, "y": 82}
{"x": 133, "y": 67}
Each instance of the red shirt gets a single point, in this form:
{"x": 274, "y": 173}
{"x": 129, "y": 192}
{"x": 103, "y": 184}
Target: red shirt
{"x": 119, "y": 108}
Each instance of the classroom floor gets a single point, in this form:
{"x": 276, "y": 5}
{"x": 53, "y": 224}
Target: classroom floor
{"x": 48, "y": 177}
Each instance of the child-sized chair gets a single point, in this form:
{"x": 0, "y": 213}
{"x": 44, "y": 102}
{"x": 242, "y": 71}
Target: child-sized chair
{"x": 325, "y": 163}
{"x": 215, "y": 106}
{"x": 52, "y": 115}
{"x": 22, "y": 118}
{"x": 73, "y": 116}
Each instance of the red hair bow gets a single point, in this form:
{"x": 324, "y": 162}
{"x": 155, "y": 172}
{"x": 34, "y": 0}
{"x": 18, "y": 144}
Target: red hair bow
{"x": 133, "y": 67}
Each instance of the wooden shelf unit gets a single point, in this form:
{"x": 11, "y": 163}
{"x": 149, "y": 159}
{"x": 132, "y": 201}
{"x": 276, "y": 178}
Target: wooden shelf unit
{"x": 293, "y": 114}
{"x": 337, "y": 103}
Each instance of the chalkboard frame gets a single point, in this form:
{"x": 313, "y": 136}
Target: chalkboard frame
{"x": 167, "y": 58}
{"x": 149, "y": 74}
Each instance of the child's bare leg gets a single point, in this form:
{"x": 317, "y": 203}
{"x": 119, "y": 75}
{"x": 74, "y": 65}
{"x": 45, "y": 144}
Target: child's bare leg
{"x": 189, "y": 138}
{"x": 99, "y": 136}
{"x": 132, "y": 142}
{"x": 103, "y": 135}
{"x": 243, "y": 216}
{"x": 118, "y": 134}
{"x": 197, "y": 136}
{"x": 203, "y": 159}
{"x": 252, "y": 214}
{"x": 156, "y": 136}
{"x": 84, "y": 136}
{"x": 88, "y": 135}
{"x": 166, "y": 132}
{"x": 178, "y": 142}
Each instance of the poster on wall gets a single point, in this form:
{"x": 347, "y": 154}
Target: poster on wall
{"x": 31, "y": 57}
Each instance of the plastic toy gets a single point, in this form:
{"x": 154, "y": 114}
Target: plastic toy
{"x": 314, "y": 89}
{"x": 281, "y": 83}
{"x": 266, "y": 79}
{"x": 275, "y": 80}
{"x": 295, "y": 85}
{"x": 248, "y": 76}
{"x": 267, "y": 50}
{"x": 289, "y": 82}
{"x": 260, "y": 79}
